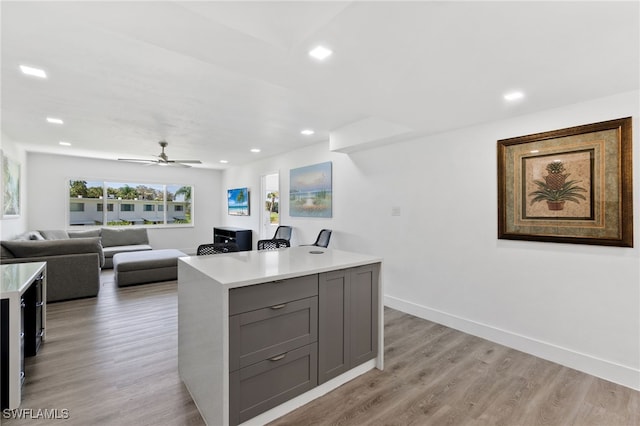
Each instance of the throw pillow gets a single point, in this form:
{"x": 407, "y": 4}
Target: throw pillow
{"x": 35, "y": 235}
{"x": 31, "y": 235}
{"x": 124, "y": 237}
{"x": 56, "y": 234}
{"x": 84, "y": 234}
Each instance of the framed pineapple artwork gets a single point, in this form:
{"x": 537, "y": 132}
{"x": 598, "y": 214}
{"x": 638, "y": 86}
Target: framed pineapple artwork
{"x": 570, "y": 185}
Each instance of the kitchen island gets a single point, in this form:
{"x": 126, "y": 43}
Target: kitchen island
{"x": 261, "y": 333}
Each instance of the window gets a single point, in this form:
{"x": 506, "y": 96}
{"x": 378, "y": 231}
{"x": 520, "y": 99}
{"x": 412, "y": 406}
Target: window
{"x": 77, "y": 207}
{"x": 100, "y": 207}
{"x": 129, "y": 203}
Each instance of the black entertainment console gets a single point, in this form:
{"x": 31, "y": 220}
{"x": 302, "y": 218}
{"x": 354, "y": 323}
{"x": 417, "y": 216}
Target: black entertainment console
{"x": 242, "y": 237}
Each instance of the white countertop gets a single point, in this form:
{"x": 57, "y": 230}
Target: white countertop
{"x": 16, "y": 277}
{"x": 253, "y": 267}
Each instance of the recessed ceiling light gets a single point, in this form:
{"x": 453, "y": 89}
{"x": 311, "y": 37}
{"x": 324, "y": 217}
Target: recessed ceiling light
{"x": 65, "y": 143}
{"x": 224, "y": 161}
{"x": 55, "y": 120}
{"x": 320, "y": 53}
{"x": 512, "y": 96}
{"x": 36, "y": 72}
{"x": 307, "y": 132}
{"x": 255, "y": 150}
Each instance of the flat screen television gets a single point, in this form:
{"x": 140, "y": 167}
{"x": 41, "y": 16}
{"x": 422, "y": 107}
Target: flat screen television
{"x": 238, "y": 201}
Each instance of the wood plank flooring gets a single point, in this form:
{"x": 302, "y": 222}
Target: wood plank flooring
{"x": 112, "y": 360}
{"x": 437, "y": 376}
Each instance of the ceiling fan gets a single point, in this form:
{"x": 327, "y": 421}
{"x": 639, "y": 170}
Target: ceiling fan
{"x": 163, "y": 159}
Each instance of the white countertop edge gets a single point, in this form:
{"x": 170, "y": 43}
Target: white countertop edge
{"x": 32, "y": 270}
{"x": 209, "y": 264}
{"x": 294, "y": 274}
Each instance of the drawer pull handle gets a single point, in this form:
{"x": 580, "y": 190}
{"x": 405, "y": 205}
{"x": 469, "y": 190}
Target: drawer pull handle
{"x": 278, "y": 357}
{"x": 279, "y": 306}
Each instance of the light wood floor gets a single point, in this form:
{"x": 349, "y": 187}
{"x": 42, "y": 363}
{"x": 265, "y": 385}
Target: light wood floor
{"x": 112, "y": 360}
{"x": 435, "y": 375}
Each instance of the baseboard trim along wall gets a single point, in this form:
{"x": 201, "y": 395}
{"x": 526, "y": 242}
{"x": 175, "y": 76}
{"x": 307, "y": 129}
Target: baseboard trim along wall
{"x": 616, "y": 373}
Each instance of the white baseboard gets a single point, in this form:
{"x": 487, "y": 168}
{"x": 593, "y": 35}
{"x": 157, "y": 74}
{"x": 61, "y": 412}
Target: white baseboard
{"x": 616, "y": 373}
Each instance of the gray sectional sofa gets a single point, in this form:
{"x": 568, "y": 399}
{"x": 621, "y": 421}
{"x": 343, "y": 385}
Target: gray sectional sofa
{"x": 124, "y": 240}
{"x": 74, "y": 258}
{"x": 73, "y": 265}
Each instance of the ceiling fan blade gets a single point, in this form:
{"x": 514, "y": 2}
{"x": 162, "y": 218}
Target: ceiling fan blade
{"x": 171, "y": 163}
{"x": 186, "y": 161}
{"x": 137, "y": 160}
{"x": 163, "y": 159}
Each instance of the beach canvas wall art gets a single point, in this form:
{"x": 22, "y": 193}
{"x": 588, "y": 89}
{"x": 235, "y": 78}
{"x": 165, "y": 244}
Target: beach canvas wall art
{"x": 310, "y": 192}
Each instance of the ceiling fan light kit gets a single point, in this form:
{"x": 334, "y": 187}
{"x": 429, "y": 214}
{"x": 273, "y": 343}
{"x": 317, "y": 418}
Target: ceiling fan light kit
{"x": 163, "y": 159}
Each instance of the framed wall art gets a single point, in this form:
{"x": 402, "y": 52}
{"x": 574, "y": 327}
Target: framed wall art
{"x": 10, "y": 187}
{"x": 238, "y": 202}
{"x": 310, "y": 191}
{"x": 570, "y": 185}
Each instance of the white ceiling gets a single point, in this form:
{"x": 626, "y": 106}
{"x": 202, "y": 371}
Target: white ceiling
{"x": 215, "y": 79}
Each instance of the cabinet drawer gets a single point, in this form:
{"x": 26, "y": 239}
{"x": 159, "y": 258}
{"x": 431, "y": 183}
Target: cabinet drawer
{"x": 259, "y": 387}
{"x": 244, "y": 299}
{"x": 261, "y": 334}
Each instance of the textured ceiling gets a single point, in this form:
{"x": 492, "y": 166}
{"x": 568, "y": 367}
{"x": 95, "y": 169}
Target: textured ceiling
{"x": 215, "y": 79}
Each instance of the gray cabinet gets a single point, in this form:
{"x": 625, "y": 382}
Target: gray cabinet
{"x": 265, "y": 333}
{"x": 266, "y": 384}
{"x": 348, "y": 319}
{"x": 249, "y": 340}
{"x": 273, "y": 351}
{"x": 288, "y": 336}
{"x": 364, "y": 313}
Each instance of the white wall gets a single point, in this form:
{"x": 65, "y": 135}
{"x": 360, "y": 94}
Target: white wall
{"x": 577, "y": 305}
{"x": 48, "y": 191}
{"x": 12, "y": 227}
{"x": 305, "y": 230}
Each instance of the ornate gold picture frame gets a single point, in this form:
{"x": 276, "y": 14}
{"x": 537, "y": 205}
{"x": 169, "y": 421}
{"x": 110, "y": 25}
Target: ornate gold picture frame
{"x": 570, "y": 185}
